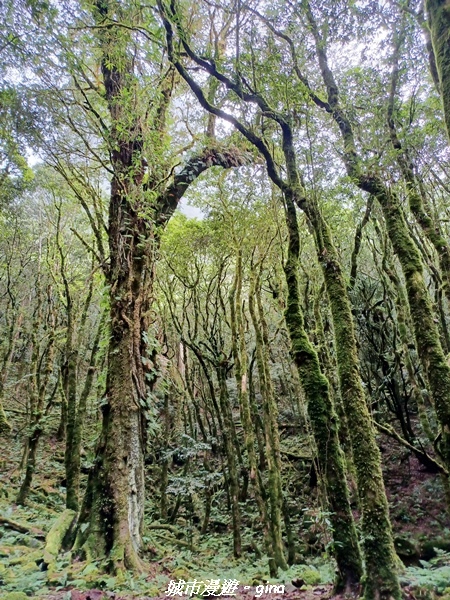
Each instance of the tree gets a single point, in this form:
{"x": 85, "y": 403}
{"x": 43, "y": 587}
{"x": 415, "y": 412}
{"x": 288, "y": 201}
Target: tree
{"x": 439, "y": 24}
{"x": 140, "y": 205}
{"x": 380, "y": 556}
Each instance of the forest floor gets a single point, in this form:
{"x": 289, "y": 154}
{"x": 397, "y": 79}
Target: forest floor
{"x": 421, "y": 527}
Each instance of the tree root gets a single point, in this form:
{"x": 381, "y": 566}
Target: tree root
{"x": 176, "y": 542}
{"x": 166, "y": 527}
{"x": 55, "y": 536}
{"x": 22, "y": 528}
{"x": 125, "y": 558}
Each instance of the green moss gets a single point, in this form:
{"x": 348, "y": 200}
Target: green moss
{"x": 377, "y": 541}
{"x": 426, "y": 332}
{"x": 271, "y": 433}
{"x": 439, "y": 22}
{"x": 311, "y": 577}
{"x": 323, "y": 420}
{"x": 5, "y": 427}
{"x": 15, "y": 596}
{"x": 56, "y": 535}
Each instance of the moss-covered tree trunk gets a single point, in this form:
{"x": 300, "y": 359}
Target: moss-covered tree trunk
{"x": 329, "y": 367}
{"x": 231, "y": 452}
{"x": 377, "y": 539}
{"x": 439, "y": 23}
{"x": 5, "y": 426}
{"x": 62, "y": 427}
{"x": 42, "y": 368}
{"x": 270, "y": 422}
{"x": 75, "y": 419}
{"x": 322, "y": 416}
{"x": 114, "y": 503}
{"x": 12, "y": 336}
{"x": 321, "y": 410}
{"x": 419, "y": 393}
{"x": 422, "y": 315}
{"x": 415, "y": 189}
{"x": 69, "y": 385}
{"x": 425, "y": 328}
{"x": 240, "y": 367}
{"x": 115, "y": 500}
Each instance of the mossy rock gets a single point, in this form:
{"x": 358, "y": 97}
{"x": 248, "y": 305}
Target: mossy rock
{"x": 15, "y": 596}
{"x": 154, "y": 592}
{"x": 29, "y": 567}
{"x": 55, "y": 536}
{"x": 311, "y": 576}
{"x": 405, "y": 548}
{"x": 181, "y": 573}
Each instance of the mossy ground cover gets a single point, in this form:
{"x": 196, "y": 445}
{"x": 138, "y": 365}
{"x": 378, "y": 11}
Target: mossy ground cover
{"x": 416, "y": 508}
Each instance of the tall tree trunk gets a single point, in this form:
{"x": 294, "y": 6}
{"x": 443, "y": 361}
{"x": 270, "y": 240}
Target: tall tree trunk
{"x": 75, "y": 431}
{"x": 439, "y": 23}
{"x": 114, "y": 502}
{"x": 323, "y": 418}
{"x": 13, "y": 334}
{"x": 426, "y": 332}
{"x": 38, "y": 388}
{"x": 321, "y": 410}
{"x": 117, "y": 504}
{"x": 415, "y": 189}
{"x": 233, "y": 479}
{"x": 240, "y": 367}
{"x": 270, "y": 419}
{"x": 422, "y": 315}
{"x": 140, "y": 206}
{"x": 378, "y": 545}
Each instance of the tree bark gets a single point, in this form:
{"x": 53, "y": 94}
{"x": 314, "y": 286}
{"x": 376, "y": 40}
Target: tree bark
{"x": 240, "y": 368}
{"x": 270, "y": 421}
{"x": 323, "y": 418}
{"x": 439, "y": 23}
{"x": 376, "y": 528}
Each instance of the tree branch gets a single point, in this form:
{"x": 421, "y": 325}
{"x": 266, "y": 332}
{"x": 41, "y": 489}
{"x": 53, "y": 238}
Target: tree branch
{"x": 222, "y": 157}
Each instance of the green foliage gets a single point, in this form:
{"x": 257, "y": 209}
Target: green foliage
{"x": 432, "y": 575}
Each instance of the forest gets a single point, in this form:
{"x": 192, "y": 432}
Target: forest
{"x": 225, "y": 299}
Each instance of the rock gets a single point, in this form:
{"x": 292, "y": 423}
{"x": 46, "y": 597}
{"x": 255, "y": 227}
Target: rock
{"x": 405, "y": 548}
